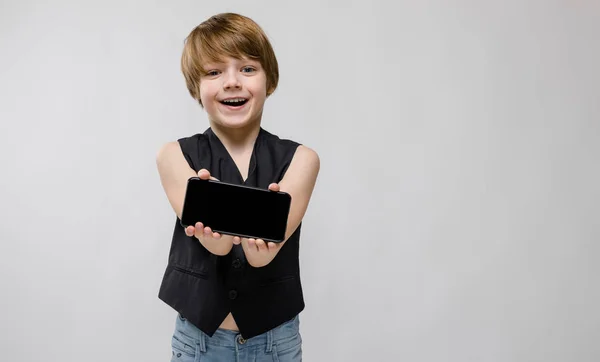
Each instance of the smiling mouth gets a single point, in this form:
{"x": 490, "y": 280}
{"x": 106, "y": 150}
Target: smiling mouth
{"x": 234, "y": 102}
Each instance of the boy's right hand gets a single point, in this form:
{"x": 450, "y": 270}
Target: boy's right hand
{"x": 214, "y": 242}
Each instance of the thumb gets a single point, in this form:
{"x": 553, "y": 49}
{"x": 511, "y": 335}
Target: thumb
{"x": 205, "y": 175}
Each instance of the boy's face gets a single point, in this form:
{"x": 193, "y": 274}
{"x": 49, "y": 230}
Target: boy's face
{"x": 233, "y": 92}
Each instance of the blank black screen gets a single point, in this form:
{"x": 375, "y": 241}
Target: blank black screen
{"x": 236, "y": 210}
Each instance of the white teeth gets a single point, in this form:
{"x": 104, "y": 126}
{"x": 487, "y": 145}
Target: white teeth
{"x": 234, "y": 100}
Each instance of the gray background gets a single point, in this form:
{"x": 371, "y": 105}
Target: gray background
{"x": 456, "y": 213}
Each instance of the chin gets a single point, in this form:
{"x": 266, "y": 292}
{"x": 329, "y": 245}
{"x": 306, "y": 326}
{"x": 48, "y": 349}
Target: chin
{"x": 234, "y": 123}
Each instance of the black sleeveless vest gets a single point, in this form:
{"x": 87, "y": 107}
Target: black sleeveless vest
{"x": 204, "y": 287}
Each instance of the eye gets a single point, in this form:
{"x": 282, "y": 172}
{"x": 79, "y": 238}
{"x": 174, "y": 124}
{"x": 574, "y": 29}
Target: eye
{"x": 212, "y": 73}
{"x": 248, "y": 69}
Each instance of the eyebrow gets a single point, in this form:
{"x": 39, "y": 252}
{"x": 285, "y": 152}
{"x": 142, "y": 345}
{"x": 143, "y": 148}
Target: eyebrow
{"x": 212, "y": 64}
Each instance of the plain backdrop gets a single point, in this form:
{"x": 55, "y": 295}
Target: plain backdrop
{"x": 455, "y": 217}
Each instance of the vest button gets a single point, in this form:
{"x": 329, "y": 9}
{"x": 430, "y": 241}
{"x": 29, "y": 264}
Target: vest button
{"x": 241, "y": 339}
{"x": 236, "y": 263}
{"x": 232, "y": 294}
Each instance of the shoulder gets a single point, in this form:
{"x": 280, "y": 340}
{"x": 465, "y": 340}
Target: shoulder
{"x": 273, "y": 138}
{"x": 300, "y": 151}
{"x": 191, "y": 143}
{"x": 169, "y": 157}
{"x": 180, "y": 143}
{"x": 186, "y": 148}
{"x": 308, "y": 156}
{"x": 305, "y": 165}
{"x": 167, "y": 151}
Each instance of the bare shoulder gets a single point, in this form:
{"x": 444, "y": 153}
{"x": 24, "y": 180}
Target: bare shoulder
{"x": 304, "y": 167}
{"x": 170, "y": 158}
{"x": 307, "y": 157}
{"x": 168, "y": 151}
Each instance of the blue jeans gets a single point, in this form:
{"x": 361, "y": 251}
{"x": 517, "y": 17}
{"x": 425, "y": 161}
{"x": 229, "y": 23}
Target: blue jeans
{"x": 281, "y": 344}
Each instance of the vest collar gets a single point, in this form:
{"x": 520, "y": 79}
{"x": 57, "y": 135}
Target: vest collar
{"x": 225, "y": 156}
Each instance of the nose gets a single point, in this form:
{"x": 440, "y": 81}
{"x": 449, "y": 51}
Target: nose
{"x": 231, "y": 80}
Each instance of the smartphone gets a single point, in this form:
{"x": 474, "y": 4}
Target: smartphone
{"x": 237, "y": 210}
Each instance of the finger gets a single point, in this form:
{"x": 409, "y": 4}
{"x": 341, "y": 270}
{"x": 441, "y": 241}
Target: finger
{"x": 245, "y": 245}
{"x": 207, "y": 231}
{"x": 272, "y": 246}
{"x": 216, "y": 236}
{"x": 190, "y": 230}
{"x": 274, "y": 187}
{"x": 260, "y": 244}
{"x": 204, "y": 174}
{"x": 252, "y": 245}
{"x": 197, "y": 230}
{"x": 237, "y": 240}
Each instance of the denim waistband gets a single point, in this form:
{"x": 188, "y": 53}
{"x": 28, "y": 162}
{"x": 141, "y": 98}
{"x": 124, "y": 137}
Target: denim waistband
{"x": 233, "y": 339}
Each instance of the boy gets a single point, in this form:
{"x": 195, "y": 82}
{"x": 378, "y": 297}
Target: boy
{"x": 237, "y": 299}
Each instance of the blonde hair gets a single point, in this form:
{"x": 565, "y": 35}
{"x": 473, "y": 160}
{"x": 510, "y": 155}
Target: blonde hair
{"x": 222, "y": 35}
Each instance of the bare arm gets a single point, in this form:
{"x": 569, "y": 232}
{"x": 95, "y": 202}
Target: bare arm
{"x": 174, "y": 173}
{"x": 299, "y": 181}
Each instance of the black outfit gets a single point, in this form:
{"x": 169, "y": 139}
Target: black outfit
{"x": 204, "y": 287}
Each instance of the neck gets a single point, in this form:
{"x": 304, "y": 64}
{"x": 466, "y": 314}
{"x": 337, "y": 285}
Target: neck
{"x": 237, "y": 140}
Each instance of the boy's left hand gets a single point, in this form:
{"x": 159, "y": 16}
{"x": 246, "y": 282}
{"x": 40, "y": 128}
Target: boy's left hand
{"x": 258, "y": 252}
